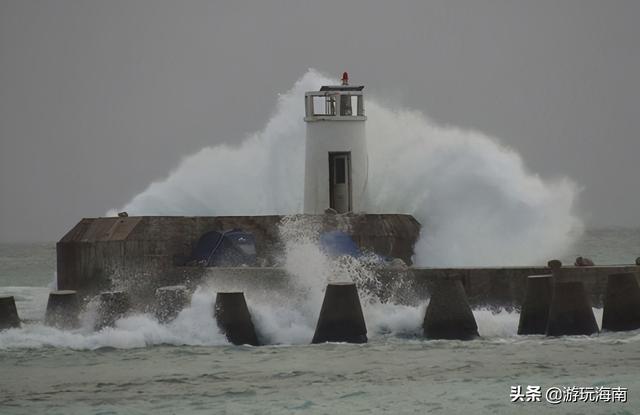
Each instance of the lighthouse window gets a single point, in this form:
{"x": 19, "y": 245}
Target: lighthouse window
{"x": 346, "y": 105}
{"x": 341, "y": 171}
{"x": 360, "y": 104}
{"x": 319, "y": 107}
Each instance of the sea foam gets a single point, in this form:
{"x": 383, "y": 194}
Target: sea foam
{"x": 477, "y": 202}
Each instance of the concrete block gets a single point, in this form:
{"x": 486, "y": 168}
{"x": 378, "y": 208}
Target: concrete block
{"x": 449, "y": 315}
{"x": 621, "y": 303}
{"x": 535, "y": 309}
{"x": 570, "y": 312}
{"x": 233, "y": 318}
{"x": 170, "y": 301}
{"x": 113, "y": 306}
{"x": 341, "y": 318}
{"x": 63, "y": 310}
{"x": 8, "y": 313}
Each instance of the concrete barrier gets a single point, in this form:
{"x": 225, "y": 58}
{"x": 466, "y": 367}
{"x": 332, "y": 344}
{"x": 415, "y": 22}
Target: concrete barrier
{"x": 621, "y": 303}
{"x": 341, "y": 318}
{"x": 570, "y": 312}
{"x": 63, "y": 309}
{"x": 535, "y": 309}
{"x": 113, "y": 306}
{"x": 233, "y": 318}
{"x": 8, "y": 313}
{"x": 170, "y": 301}
{"x": 448, "y": 314}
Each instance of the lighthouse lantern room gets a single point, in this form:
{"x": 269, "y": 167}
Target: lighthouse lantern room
{"x": 336, "y": 161}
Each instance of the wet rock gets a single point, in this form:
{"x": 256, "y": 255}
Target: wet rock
{"x": 583, "y": 262}
{"x": 554, "y": 264}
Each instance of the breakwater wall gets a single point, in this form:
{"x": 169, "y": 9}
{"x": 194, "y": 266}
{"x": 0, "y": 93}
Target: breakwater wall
{"x": 491, "y": 287}
{"x": 140, "y": 254}
{"x": 506, "y": 286}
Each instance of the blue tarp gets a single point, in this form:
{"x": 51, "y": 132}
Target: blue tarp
{"x": 231, "y": 248}
{"x": 337, "y": 243}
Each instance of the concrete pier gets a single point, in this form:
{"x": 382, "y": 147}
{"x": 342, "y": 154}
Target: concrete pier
{"x": 141, "y": 254}
{"x": 448, "y": 314}
{"x": 622, "y": 303}
{"x": 535, "y": 309}
{"x": 113, "y": 306}
{"x": 341, "y": 318}
{"x": 234, "y": 320}
{"x": 570, "y": 312}
{"x": 63, "y": 310}
{"x": 8, "y": 313}
{"x": 170, "y": 301}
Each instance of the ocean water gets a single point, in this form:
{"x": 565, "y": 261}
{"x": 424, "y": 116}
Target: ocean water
{"x": 141, "y": 366}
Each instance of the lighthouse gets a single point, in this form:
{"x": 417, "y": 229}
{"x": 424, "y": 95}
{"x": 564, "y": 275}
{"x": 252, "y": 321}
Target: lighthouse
{"x": 336, "y": 161}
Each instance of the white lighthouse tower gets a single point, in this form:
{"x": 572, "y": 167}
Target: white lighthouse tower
{"x": 336, "y": 165}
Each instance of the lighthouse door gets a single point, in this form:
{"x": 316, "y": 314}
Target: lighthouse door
{"x": 340, "y": 181}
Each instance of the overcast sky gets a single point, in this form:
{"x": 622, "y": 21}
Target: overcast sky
{"x": 99, "y": 98}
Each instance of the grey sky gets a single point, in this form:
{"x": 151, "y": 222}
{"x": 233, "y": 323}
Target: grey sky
{"x": 99, "y": 98}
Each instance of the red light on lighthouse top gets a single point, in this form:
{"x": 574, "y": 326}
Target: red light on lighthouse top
{"x": 345, "y": 78}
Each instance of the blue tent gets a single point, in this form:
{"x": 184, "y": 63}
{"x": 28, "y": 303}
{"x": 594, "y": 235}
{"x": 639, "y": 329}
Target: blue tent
{"x": 232, "y": 248}
{"x": 337, "y": 243}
